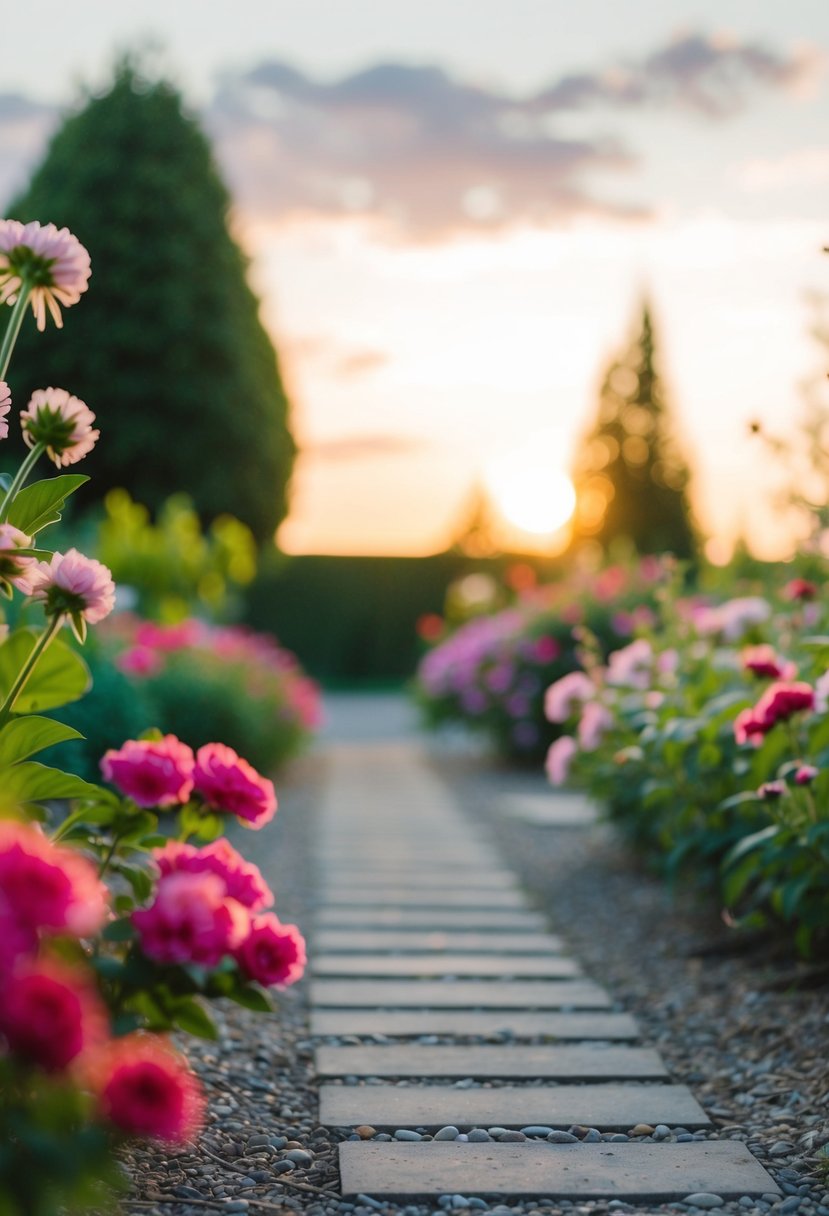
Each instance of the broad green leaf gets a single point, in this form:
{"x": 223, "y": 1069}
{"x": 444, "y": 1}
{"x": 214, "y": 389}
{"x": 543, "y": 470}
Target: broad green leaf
{"x": 189, "y": 1015}
{"x": 60, "y": 676}
{"x": 23, "y": 737}
{"x": 119, "y": 931}
{"x": 251, "y": 998}
{"x": 39, "y": 504}
{"x": 33, "y": 782}
{"x": 755, "y": 841}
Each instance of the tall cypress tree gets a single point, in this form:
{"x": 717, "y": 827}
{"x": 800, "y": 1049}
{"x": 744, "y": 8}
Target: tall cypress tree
{"x": 167, "y": 347}
{"x": 630, "y": 477}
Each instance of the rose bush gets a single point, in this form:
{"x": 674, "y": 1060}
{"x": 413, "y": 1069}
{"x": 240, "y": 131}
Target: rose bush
{"x": 122, "y": 907}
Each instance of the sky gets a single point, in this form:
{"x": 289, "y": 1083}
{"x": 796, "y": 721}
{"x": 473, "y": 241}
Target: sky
{"x": 454, "y": 209}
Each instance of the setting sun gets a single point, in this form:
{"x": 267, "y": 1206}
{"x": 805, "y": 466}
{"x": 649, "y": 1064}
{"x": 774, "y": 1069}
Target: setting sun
{"x": 530, "y": 491}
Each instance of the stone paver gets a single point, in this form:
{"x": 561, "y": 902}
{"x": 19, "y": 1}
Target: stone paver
{"x": 430, "y": 879}
{"x": 419, "y": 941}
{"x": 403, "y": 1022}
{"x": 410, "y": 897}
{"x": 479, "y": 965}
{"x": 551, "y": 810}
{"x": 510, "y": 1062}
{"x": 609, "y": 1107}
{"x": 458, "y": 994}
{"x": 643, "y": 1173}
{"x": 501, "y": 920}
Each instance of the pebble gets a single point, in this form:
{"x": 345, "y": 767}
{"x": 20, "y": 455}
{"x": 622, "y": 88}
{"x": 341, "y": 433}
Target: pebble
{"x": 562, "y": 1138}
{"x": 790, "y": 1205}
{"x": 781, "y": 1148}
{"x": 592, "y": 1136}
{"x": 300, "y": 1156}
{"x": 479, "y": 1136}
{"x": 704, "y": 1199}
{"x": 236, "y": 1205}
{"x": 187, "y": 1192}
{"x": 512, "y": 1138}
{"x": 641, "y": 1129}
{"x": 364, "y": 1131}
{"x": 371, "y": 1203}
{"x": 404, "y": 1133}
{"x": 661, "y": 1132}
{"x": 445, "y": 1133}
{"x": 536, "y": 1129}
{"x": 284, "y": 1166}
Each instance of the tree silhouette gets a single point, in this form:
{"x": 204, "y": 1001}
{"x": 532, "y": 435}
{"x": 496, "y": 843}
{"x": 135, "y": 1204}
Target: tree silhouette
{"x": 630, "y": 477}
{"x": 167, "y": 347}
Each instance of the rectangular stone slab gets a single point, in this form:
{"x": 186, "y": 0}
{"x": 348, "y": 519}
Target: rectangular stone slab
{"x": 403, "y": 1022}
{"x": 551, "y": 810}
{"x": 420, "y": 941}
{"x": 509, "y": 1061}
{"x": 608, "y": 1107}
{"x": 435, "y": 878}
{"x": 504, "y": 920}
{"x": 400, "y": 897}
{"x": 483, "y": 966}
{"x": 639, "y": 1173}
{"x": 458, "y": 994}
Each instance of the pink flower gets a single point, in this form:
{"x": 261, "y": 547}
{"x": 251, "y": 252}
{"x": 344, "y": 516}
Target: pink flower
{"x": 800, "y": 589}
{"x": 170, "y": 637}
{"x": 782, "y": 699}
{"x": 272, "y": 953}
{"x": 229, "y": 783}
{"x": 732, "y": 618}
{"x": 14, "y": 569}
{"x": 631, "y": 666}
{"x": 49, "y": 1014}
{"x": 546, "y": 649}
{"x": 50, "y": 261}
{"x": 46, "y": 886}
{"x": 5, "y": 406}
{"x": 562, "y": 697}
{"x": 805, "y": 775}
{"x": 822, "y": 693}
{"x": 772, "y": 790}
{"x": 17, "y": 941}
{"x": 71, "y": 585}
{"x": 748, "y": 728}
{"x": 559, "y": 759}
{"x": 763, "y": 661}
{"x": 595, "y": 720}
{"x": 153, "y": 772}
{"x": 139, "y": 661}
{"x": 146, "y": 1089}
{"x": 62, "y": 423}
{"x": 191, "y": 921}
{"x": 242, "y": 879}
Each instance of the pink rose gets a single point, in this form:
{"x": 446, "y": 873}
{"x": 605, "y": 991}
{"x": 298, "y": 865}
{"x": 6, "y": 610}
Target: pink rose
{"x": 559, "y": 758}
{"x": 242, "y": 879}
{"x": 49, "y": 1014}
{"x": 146, "y": 1089}
{"x": 272, "y": 953}
{"x": 191, "y": 921}
{"x": 47, "y": 886}
{"x": 230, "y": 784}
{"x": 153, "y": 772}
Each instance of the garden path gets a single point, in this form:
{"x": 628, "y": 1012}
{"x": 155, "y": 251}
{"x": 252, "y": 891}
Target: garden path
{"x": 457, "y": 1042}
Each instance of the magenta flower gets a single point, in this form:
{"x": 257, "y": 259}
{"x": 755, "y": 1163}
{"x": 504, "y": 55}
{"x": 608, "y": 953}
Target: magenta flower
{"x": 5, "y": 406}
{"x": 49, "y": 1014}
{"x": 242, "y": 879}
{"x": 783, "y": 699}
{"x": 772, "y": 790}
{"x": 62, "y": 423}
{"x": 272, "y": 953}
{"x": 805, "y": 775}
{"x": 51, "y": 262}
{"x": 764, "y": 662}
{"x": 72, "y": 585}
{"x": 48, "y": 887}
{"x": 191, "y": 921}
{"x": 153, "y": 772}
{"x": 146, "y": 1089}
{"x": 800, "y": 589}
{"x": 559, "y": 759}
{"x": 139, "y": 661}
{"x": 230, "y": 784}
{"x": 748, "y": 728}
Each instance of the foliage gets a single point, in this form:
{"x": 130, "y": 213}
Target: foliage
{"x": 170, "y": 341}
{"x": 631, "y": 480}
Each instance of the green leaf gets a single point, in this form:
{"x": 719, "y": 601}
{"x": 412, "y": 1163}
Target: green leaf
{"x": 39, "y": 504}
{"x": 119, "y": 931}
{"x": 755, "y": 841}
{"x": 251, "y": 998}
{"x": 60, "y": 676}
{"x": 23, "y": 737}
{"x": 190, "y": 1016}
{"x": 33, "y": 782}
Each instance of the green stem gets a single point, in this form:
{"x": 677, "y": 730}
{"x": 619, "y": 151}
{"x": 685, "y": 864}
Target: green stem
{"x": 109, "y": 855}
{"x": 13, "y": 328}
{"x": 28, "y": 667}
{"x": 20, "y": 476}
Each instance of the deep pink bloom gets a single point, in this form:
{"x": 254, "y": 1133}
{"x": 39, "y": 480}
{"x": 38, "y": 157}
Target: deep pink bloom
{"x": 49, "y": 1014}
{"x": 51, "y": 261}
{"x": 153, "y": 772}
{"x": 71, "y": 584}
{"x": 782, "y": 699}
{"x": 48, "y": 887}
{"x": 763, "y": 661}
{"x": 800, "y": 589}
{"x": 146, "y": 1089}
{"x": 62, "y": 423}
{"x": 242, "y": 879}
{"x": 562, "y": 697}
{"x": 595, "y": 720}
{"x": 272, "y": 953}
{"x": 139, "y": 661}
{"x": 772, "y": 790}
{"x": 5, "y": 406}
{"x": 191, "y": 921}
{"x": 559, "y": 758}
{"x": 170, "y": 637}
{"x": 805, "y": 775}
{"x": 748, "y": 728}
{"x": 229, "y": 783}
{"x": 547, "y": 649}
{"x": 17, "y": 941}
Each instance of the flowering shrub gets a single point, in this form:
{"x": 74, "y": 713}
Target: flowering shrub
{"x": 708, "y": 741}
{"x": 121, "y": 908}
{"x": 491, "y": 673}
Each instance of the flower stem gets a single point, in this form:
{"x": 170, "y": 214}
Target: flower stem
{"x": 20, "y": 476}
{"x": 13, "y": 328}
{"x": 28, "y": 667}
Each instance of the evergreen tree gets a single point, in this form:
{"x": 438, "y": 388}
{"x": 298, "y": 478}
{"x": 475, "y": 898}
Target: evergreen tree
{"x": 631, "y": 480}
{"x": 168, "y": 349}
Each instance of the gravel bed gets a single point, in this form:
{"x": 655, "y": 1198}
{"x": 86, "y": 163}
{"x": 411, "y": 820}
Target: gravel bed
{"x": 755, "y": 1058}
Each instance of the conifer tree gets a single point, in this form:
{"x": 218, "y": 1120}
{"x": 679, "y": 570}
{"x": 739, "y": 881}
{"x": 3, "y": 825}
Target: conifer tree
{"x": 630, "y": 477}
{"x": 168, "y": 350}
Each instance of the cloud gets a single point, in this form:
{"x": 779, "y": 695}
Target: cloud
{"x": 24, "y": 128}
{"x": 428, "y": 153}
{"x": 358, "y": 447}
{"x": 798, "y": 169}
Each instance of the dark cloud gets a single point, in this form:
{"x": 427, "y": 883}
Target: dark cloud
{"x": 357, "y": 447}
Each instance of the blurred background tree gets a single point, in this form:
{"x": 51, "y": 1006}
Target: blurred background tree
{"x": 168, "y": 349}
{"x": 631, "y": 479}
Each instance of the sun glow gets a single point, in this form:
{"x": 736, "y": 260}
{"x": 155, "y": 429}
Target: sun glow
{"x": 531, "y": 490}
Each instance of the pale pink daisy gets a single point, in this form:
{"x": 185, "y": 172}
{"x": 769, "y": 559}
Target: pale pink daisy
{"x": 50, "y": 262}
{"x": 13, "y": 568}
{"x": 5, "y": 406}
{"x": 62, "y": 423}
{"x": 72, "y": 585}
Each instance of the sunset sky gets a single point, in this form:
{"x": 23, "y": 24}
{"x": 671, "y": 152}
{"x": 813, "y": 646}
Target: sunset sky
{"x": 455, "y": 207}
